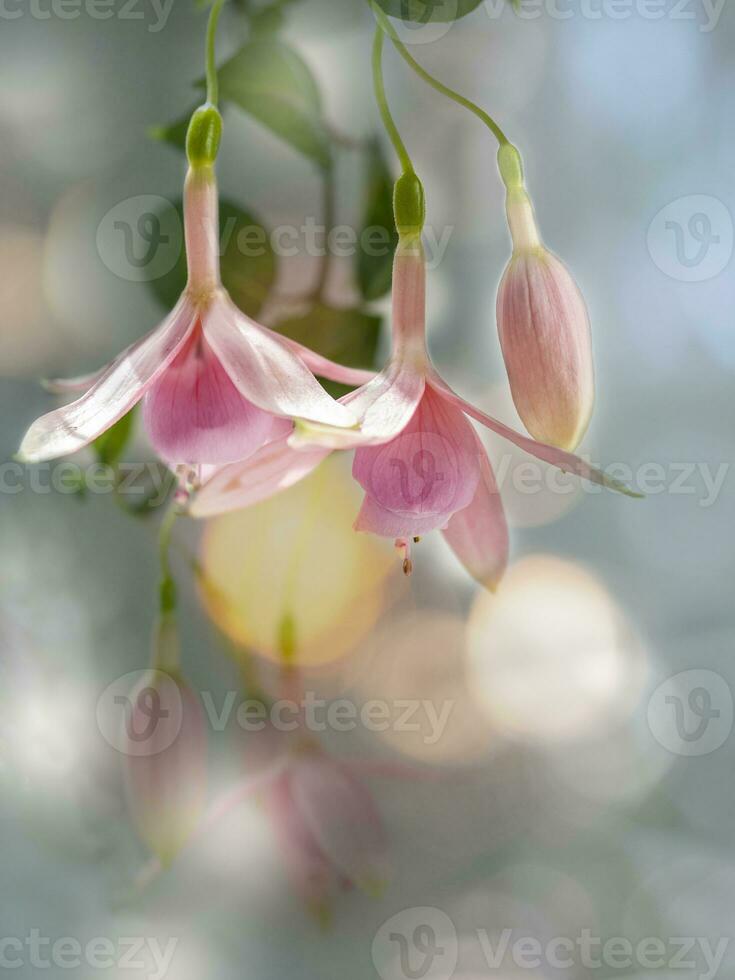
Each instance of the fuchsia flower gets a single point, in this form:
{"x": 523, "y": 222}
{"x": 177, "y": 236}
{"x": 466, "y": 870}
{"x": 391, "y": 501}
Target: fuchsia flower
{"x": 417, "y": 457}
{"x": 325, "y": 819}
{"x": 328, "y": 827}
{"x": 543, "y": 326}
{"x": 215, "y": 385}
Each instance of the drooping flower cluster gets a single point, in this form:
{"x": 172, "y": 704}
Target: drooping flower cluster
{"x": 417, "y": 457}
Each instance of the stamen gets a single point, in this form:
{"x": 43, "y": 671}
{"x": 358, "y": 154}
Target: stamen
{"x": 405, "y": 545}
{"x": 189, "y": 477}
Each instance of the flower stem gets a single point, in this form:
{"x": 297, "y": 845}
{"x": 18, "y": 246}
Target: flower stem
{"x": 212, "y": 83}
{"x": 382, "y": 101}
{"x": 168, "y": 585}
{"x": 485, "y": 117}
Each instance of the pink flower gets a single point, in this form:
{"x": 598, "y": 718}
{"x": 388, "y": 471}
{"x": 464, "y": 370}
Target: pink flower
{"x": 328, "y": 827}
{"x": 417, "y": 457}
{"x": 543, "y": 326}
{"x": 215, "y": 385}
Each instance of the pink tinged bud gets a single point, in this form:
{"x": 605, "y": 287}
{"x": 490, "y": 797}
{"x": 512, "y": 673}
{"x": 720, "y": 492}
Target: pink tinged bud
{"x": 165, "y": 743}
{"x": 545, "y": 336}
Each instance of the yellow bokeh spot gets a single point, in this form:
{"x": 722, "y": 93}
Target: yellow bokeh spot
{"x": 296, "y": 559}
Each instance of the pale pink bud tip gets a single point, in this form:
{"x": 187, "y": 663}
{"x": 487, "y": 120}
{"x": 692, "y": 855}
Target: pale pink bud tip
{"x": 545, "y": 336}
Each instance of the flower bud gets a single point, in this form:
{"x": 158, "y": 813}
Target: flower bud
{"x": 544, "y": 334}
{"x": 409, "y": 205}
{"x": 165, "y": 748}
{"x": 203, "y": 136}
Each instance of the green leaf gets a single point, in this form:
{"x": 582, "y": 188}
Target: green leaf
{"x": 248, "y": 264}
{"x": 273, "y": 84}
{"x": 428, "y": 11}
{"x": 349, "y": 337}
{"x": 378, "y": 238}
{"x": 174, "y": 133}
{"x": 110, "y": 446}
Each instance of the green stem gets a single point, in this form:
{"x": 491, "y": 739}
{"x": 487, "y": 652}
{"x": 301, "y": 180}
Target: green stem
{"x": 212, "y": 83}
{"x": 168, "y": 585}
{"x": 382, "y": 101}
{"x": 485, "y": 117}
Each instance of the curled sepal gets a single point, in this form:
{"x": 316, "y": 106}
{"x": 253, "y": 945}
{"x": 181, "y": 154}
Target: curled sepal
{"x": 165, "y": 746}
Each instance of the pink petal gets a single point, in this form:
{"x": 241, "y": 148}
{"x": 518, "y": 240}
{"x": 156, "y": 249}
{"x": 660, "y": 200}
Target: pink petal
{"x": 307, "y": 865}
{"x": 273, "y": 468}
{"x": 193, "y": 413}
{"x": 325, "y": 368}
{"x": 265, "y": 370}
{"x": 384, "y": 407}
{"x": 83, "y": 382}
{"x": 430, "y": 470}
{"x": 118, "y": 388}
{"x": 566, "y": 462}
{"x": 341, "y": 815}
{"x": 374, "y": 519}
{"x": 478, "y": 535}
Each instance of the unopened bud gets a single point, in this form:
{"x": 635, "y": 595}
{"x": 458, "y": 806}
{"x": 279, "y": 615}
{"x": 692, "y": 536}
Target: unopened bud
{"x": 409, "y": 205}
{"x": 543, "y": 325}
{"x": 165, "y": 744}
{"x": 203, "y": 136}
{"x": 545, "y": 336}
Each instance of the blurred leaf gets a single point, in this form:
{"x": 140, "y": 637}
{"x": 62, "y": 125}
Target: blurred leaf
{"x": 174, "y": 133}
{"x": 428, "y": 11}
{"x": 374, "y": 271}
{"x": 349, "y": 337}
{"x": 248, "y": 263}
{"x": 111, "y": 445}
{"x": 272, "y": 83}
